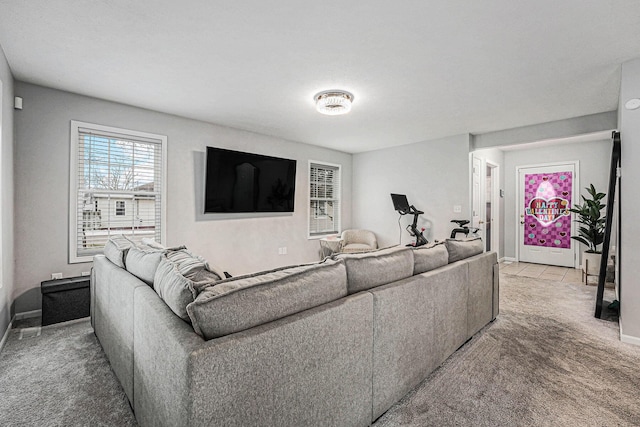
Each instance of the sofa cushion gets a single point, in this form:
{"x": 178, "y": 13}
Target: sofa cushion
{"x": 179, "y": 278}
{"x": 429, "y": 257}
{"x": 116, "y": 249}
{"x": 143, "y": 263}
{"x": 370, "y": 269}
{"x": 461, "y": 249}
{"x": 243, "y": 302}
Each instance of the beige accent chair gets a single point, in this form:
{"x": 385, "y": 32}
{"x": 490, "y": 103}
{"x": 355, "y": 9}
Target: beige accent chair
{"x": 358, "y": 241}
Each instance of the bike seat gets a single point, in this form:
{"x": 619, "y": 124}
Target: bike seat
{"x": 461, "y": 222}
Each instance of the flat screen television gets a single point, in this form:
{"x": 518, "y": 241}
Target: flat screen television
{"x": 245, "y": 182}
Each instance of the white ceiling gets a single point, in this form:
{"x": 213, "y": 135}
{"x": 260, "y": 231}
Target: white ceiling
{"x": 418, "y": 69}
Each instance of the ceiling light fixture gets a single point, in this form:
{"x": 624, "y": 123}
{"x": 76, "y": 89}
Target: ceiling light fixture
{"x": 632, "y": 104}
{"x": 333, "y": 102}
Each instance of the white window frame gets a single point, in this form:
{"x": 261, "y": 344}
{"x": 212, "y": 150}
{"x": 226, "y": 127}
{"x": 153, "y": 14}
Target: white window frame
{"x": 73, "y": 180}
{"x": 338, "y": 227}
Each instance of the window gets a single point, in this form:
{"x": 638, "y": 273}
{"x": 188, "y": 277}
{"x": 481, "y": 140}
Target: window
{"x": 119, "y": 207}
{"x": 110, "y": 169}
{"x": 324, "y": 199}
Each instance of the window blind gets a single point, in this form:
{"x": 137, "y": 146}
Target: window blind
{"x": 118, "y": 188}
{"x": 324, "y": 199}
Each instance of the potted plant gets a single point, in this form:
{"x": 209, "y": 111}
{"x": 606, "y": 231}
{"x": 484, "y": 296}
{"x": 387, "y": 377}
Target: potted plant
{"x": 591, "y": 232}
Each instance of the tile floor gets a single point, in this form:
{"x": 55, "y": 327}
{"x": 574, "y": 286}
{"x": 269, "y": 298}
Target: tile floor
{"x": 546, "y": 272}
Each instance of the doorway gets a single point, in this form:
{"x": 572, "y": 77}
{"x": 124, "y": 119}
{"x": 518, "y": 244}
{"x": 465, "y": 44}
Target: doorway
{"x": 485, "y": 201}
{"x": 544, "y": 223}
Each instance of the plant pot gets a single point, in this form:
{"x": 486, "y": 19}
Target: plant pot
{"x": 591, "y": 263}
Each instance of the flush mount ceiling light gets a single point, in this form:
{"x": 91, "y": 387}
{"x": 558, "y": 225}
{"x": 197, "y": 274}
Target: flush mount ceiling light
{"x": 632, "y": 104}
{"x": 333, "y": 102}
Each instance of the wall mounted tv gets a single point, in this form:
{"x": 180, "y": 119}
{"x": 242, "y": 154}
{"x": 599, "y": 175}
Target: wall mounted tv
{"x": 245, "y": 182}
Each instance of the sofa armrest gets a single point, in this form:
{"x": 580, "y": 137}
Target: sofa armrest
{"x": 311, "y": 368}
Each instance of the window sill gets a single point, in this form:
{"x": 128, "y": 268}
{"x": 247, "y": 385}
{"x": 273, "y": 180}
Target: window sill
{"x": 324, "y": 236}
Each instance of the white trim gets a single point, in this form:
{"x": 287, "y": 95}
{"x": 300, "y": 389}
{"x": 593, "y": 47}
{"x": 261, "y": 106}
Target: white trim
{"x": 67, "y": 322}
{"x": 5, "y": 337}
{"x": 28, "y": 314}
{"x": 73, "y": 182}
{"x": 17, "y": 316}
{"x": 508, "y": 258}
{"x": 575, "y": 191}
{"x": 628, "y": 338}
{"x": 308, "y": 187}
{"x": 585, "y": 137}
{"x": 495, "y": 204}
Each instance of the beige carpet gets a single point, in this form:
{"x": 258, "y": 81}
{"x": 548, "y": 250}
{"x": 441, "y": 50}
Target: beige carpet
{"x": 59, "y": 378}
{"x": 545, "y": 361}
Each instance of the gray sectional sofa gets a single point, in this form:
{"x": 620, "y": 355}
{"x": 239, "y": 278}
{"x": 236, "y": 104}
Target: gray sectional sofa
{"x": 334, "y": 343}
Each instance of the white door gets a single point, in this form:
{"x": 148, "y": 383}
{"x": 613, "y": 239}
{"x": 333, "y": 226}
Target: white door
{"x": 477, "y": 217}
{"x": 545, "y": 226}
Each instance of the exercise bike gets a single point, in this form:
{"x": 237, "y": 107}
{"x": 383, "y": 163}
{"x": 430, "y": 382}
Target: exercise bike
{"x": 462, "y": 228}
{"x": 401, "y": 204}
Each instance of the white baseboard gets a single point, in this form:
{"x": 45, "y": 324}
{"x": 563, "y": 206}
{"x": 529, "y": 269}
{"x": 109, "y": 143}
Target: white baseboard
{"x": 628, "y": 338}
{"x": 28, "y": 314}
{"x": 6, "y": 333}
{"x": 67, "y": 323}
{"x": 507, "y": 258}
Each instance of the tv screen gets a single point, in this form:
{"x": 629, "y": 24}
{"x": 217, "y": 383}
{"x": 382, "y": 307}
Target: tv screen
{"x": 246, "y": 182}
{"x": 400, "y": 202}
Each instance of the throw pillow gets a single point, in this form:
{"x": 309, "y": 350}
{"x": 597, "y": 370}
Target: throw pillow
{"x": 461, "y": 249}
{"x": 152, "y": 243}
{"x": 369, "y": 269}
{"x": 116, "y": 249}
{"x": 176, "y": 290}
{"x": 189, "y": 264}
{"x": 143, "y": 263}
{"x": 429, "y": 257}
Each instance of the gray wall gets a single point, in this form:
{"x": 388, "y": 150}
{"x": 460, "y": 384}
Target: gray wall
{"x": 594, "y": 158}
{"x": 238, "y": 244}
{"x": 433, "y": 174}
{"x": 630, "y": 226}
{"x": 6, "y": 197}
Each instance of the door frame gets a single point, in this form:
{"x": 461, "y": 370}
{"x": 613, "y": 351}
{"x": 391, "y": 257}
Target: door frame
{"x": 495, "y": 200}
{"x": 479, "y": 223}
{"x": 495, "y": 204}
{"x": 576, "y": 185}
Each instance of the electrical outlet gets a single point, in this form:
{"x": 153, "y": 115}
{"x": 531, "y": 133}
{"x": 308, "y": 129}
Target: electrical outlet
{"x": 85, "y": 273}
{"x": 56, "y": 276}
{"x": 282, "y": 251}
{"x": 457, "y": 209}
